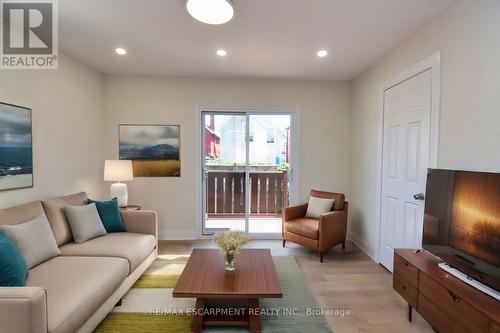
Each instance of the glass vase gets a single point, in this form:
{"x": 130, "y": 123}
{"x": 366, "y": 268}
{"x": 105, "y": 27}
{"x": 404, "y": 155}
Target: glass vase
{"x": 230, "y": 259}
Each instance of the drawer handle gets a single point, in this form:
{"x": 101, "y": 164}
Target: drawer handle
{"x": 406, "y": 263}
{"x": 454, "y": 297}
{"x": 404, "y": 287}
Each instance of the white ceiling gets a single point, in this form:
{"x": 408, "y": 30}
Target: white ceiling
{"x": 265, "y": 39}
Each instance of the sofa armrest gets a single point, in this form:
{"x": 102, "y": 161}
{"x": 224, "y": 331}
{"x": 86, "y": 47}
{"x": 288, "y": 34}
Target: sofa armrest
{"x": 23, "y": 310}
{"x": 141, "y": 222}
{"x": 332, "y": 228}
{"x": 294, "y": 212}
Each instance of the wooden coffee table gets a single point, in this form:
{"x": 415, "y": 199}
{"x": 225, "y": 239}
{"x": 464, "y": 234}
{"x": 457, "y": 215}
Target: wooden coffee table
{"x": 228, "y": 298}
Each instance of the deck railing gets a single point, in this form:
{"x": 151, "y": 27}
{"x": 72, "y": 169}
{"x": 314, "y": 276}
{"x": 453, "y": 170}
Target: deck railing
{"x": 226, "y": 193}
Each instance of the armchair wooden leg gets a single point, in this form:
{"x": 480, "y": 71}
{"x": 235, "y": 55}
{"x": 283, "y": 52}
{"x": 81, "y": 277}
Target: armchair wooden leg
{"x": 343, "y": 245}
{"x": 284, "y": 242}
{"x": 321, "y": 257}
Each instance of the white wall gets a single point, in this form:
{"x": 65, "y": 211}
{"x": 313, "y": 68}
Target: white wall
{"x": 67, "y": 133}
{"x": 324, "y": 138}
{"x": 468, "y": 35}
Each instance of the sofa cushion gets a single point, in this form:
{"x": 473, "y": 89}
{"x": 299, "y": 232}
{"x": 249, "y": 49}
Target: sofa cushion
{"x": 33, "y": 239}
{"x": 133, "y": 247}
{"x": 54, "y": 209}
{"x": 21, "y": 213}
{"x": 303, "y": 226}
{"x": 76, "y": 287}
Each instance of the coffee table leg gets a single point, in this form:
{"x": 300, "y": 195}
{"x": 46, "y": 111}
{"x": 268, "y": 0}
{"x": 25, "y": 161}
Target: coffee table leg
{"x": 197, "y": 324}
{"x": 254, "y": 315}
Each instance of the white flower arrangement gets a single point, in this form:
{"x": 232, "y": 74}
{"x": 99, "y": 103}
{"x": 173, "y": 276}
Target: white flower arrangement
{"x": 230, "y": 243}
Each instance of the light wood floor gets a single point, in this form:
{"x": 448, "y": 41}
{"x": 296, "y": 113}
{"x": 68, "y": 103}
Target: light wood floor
{"x": 346, "y": 280}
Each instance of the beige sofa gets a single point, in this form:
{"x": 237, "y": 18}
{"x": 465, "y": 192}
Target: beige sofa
{"x": 75, "y": 291}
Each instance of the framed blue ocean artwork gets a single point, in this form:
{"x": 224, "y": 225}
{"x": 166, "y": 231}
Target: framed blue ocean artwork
{"x": 16, "y": 147}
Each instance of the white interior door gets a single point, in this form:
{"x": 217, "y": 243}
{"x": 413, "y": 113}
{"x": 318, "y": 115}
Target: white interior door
{"x": 406, "y": 147}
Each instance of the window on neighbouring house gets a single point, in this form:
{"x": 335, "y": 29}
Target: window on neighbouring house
{"x": 270, "y": 135}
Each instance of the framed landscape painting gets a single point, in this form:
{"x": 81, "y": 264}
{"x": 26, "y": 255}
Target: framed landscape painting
{"x": 153, "y": 149}
{"x": 16, "y": 152}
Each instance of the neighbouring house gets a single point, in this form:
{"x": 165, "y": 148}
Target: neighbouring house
{"x": 212, "y": 140}
{"x": 268, "y": 144}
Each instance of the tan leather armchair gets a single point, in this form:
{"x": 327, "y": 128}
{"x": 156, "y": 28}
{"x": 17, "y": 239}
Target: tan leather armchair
{"x": 317, "y": 234}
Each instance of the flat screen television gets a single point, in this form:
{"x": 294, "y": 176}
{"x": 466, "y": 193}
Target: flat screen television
{"x": 462, "y": 222}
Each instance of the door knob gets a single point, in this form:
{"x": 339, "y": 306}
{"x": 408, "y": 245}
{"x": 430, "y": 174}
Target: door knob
{"x": 419, "y": 196}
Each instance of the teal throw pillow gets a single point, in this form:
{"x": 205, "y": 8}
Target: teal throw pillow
{"x": 13, "y": 269}
{"x": 109, "y": 212}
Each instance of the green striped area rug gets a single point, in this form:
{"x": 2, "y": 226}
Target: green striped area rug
{"x": 150, "y": 308}
{"x": 163, "y": 273}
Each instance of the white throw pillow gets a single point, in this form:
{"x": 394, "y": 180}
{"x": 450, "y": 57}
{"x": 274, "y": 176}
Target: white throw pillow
{"x": 33, "y": 239}
{"x": 84, "y": 222}
{"x": 318, "y": 206}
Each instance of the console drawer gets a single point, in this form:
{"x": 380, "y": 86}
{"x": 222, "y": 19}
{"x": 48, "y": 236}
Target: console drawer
{"x": 407, "y": 291}
{"x": 405, "y": 270}
{"x": 438, "y": 319}
{"x": 452, "y": 307}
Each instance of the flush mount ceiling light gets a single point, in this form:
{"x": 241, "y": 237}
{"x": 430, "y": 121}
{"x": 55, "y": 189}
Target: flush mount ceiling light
{"x": 221, "y": 52}
{"x": 322, "y": 53}
{"x": 210, "y": 11}
{"x": 120, "y": 51}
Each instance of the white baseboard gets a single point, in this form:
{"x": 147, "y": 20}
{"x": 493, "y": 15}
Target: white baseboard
{"x": 177, "y": 235}
{"x": 361, "y": 244}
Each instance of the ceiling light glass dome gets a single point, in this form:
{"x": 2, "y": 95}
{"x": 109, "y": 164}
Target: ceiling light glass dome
{"x": 210, "y": 11}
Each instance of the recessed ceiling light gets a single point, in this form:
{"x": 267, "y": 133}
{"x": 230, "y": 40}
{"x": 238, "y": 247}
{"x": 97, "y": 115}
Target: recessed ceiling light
{"x": 120, "y": 51}
{"x": 322, "y": 53}
{"x": 221, "y": 53}
{"x": 210, "y": 11}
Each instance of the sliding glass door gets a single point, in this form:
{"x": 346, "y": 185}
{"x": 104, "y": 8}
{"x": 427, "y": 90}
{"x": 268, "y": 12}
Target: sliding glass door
{"x": 245, "y": 171}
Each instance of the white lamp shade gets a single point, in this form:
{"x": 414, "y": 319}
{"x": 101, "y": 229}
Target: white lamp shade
{"x": 118, "y": 170}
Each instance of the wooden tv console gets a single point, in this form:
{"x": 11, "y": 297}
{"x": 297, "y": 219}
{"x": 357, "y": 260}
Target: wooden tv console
{"x": 447, "y": 303}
